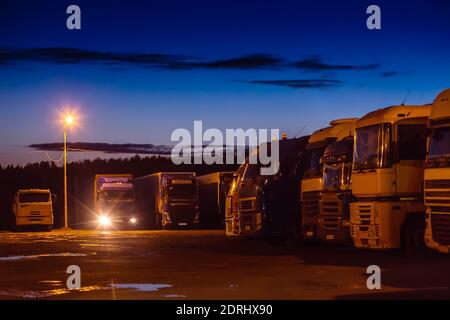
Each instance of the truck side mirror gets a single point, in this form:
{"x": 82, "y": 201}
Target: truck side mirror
{"x": 54, "y": 198}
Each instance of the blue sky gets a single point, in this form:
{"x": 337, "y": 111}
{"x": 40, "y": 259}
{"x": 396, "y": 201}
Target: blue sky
{"x": 229, "y": 63}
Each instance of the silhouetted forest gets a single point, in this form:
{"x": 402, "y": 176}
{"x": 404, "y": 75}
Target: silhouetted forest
{"x": 47, "y": 175}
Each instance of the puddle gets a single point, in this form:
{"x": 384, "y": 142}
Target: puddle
{"x": 37, "y": 256}
{"x": 147, "y": 287}
{"x": 175, "y": 296}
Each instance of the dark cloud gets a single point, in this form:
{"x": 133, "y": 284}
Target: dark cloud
{"x": 253, "y": 61}
{"x": 166, "y": 61}
{"x": 76, "y": 56}
{"x": 62, "y": 55}
{"x": 106, "y": 147}
{"x": 315, "y": 64}
{"x": 300, "y": 83}
{"x": 127, "y": 148}
{"x": 388, "y": 74}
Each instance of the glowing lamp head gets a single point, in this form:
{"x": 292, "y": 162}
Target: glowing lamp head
{"x": 69, "y": 120}
{"x": 133, "y": 220}
{"x": 104, "y": 221}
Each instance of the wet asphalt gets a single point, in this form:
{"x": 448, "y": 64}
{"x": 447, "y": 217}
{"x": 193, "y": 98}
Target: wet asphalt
{"x": 204, "y": 264}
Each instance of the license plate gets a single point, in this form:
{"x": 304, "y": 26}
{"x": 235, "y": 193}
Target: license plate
{"x": 247, "y": 228}
{"x": 309, "y": 233}
{"x": 330, "y": 236}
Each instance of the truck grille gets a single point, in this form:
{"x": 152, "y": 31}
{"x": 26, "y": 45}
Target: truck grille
{"x": 247, "y": 204}
{"x": 440, "y": 224}
{"x": 310, "y": 203}
{"x": 437, "y": 184}
{"x": 364, "y": 214}
{"x": 363, "y": 221}
{"x": 330, "y": 211}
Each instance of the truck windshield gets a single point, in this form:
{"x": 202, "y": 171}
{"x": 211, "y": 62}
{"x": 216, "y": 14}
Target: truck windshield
{"x": 371, "y": 147}
{"x": 185, "y": 189}
{"x": 313, "y": 165}
{"x": 439, "y": 147}
{"x": 118, "y": 195}
{"x": 34, "y": 197}
{"x": 252, "y": 172}
{"x": 336, "y": 176}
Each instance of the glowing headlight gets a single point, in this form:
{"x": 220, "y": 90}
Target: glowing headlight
{"x": 104, "y": 221}
{"x": 133, "y": 220}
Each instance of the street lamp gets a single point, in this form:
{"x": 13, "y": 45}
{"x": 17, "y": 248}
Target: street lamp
{"x": 68, "y": 121}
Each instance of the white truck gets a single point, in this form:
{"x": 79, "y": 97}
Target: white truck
{"x": 33, "y": 207}
{"x": 114, "y": 201}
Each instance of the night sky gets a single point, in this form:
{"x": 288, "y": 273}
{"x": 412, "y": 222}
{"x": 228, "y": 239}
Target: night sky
{"x": 137, "y": 70}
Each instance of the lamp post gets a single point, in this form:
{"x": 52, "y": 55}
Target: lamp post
{"x": 68, "y": 121}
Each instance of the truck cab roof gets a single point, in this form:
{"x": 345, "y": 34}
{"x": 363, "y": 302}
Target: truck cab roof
{"x": 441, "y": 106}
{"x": 337, "y": 130}
{"x": 393, "y": 114}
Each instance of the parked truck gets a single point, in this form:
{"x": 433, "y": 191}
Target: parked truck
{"x": 33, "y": 207}
{"x": 213, "y": 190}
{"x": 437, "y": 176}
{"x": 387, "y": 178}
{"x": 232, "y": 202}
{"x": 336, "y": 195}
{"x": 267, "y": 204}
{"x": 169, "y": 199}
{"x": 311, "y": 183}
{"x": 114, "y": 201}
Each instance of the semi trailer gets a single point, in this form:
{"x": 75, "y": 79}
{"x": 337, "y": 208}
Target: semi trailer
{"x": 33, "y": 208}
{"x": 311, "y": 183}
{"x": 168, "y": 199}
{"x": 387, "y": 178}
{"x": 213, "y": 190}
{"x": 336, "y": 194}
{"x": 437, "y": 175}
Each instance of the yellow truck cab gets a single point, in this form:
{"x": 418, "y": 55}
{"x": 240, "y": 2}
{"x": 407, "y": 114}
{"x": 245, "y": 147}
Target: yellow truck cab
{"x": 232, "y": 202}
{"x": 33, "y": 207}
{"x": 387, "y": 177}
{"x": 336, "y": 195}
{"x": 311, "y": 184}
{"x": 437, "y": 176}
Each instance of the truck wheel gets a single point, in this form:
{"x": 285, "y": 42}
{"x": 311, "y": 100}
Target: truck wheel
{"x": 414, "y": 238}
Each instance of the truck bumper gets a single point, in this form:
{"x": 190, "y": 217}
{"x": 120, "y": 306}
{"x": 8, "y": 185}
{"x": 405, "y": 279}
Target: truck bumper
{"x": 429, "y": 240}
{"x": 341, "y": 235}
{"x": 310, "y": 226}
{"x": 34, "y": 220}
{"x": 374, "y": 225}
{"x": 250, "y": 224}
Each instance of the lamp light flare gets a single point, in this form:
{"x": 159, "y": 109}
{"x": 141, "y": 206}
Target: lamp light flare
{"x": 69, "y": 120}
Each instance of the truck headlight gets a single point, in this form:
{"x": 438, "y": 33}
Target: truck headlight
{"x": 166, "y": 217}
{"x": 104, "y": 221}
